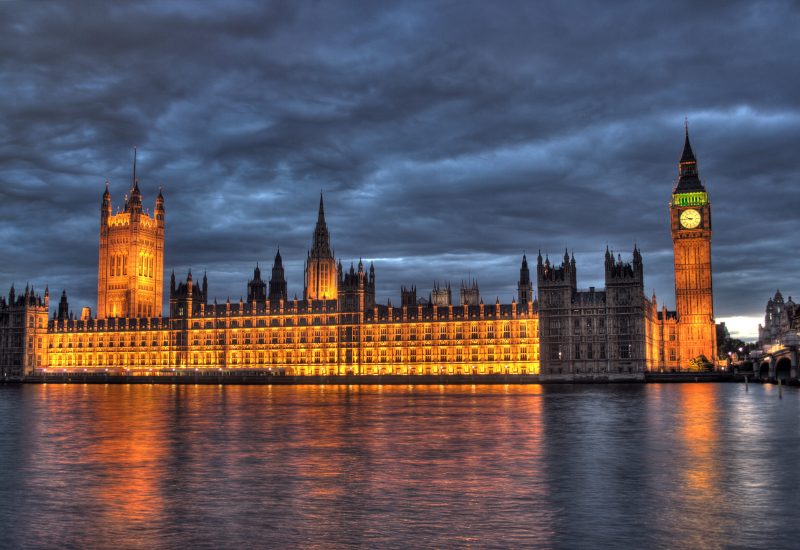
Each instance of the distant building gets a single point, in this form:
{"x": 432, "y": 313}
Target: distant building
{"x": 780, "y": 318}
{"x": 779, "y": 340}
{"x": 470, "y": 295}
{"x": 441, "y": 296}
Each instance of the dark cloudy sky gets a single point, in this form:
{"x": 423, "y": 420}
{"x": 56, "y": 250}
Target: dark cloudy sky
{"x": 447, "y": 137}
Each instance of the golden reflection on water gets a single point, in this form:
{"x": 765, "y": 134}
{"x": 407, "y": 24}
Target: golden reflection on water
{"x": 129, "y": 448}
{"x": 439, "y": 466}
{"x": 699, "y": 429}
{"x": 694, "y": 474}
{"x": 124, "y": 446}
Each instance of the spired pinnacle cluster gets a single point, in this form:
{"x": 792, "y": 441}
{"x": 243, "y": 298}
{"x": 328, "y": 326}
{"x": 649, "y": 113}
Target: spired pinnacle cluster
{"x": 338, "y": 327}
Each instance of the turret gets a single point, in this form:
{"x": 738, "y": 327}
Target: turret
{"x": 277, "y": 283}
{"x": 524, "y": 286}
{"x": 105, "y": 206}
{"x": 618, "y": 272}
{"x": 185, "y": 299}
{"x": 160, "y": 212}
{"x": 638, "y": 267}
{"x": 63, "y": 307}
{"x": 256, "y": 288}
{"x": 565, "y": 275}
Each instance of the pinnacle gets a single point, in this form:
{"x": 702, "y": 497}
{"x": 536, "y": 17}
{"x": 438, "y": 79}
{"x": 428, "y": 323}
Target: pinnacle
{"x": 688, "y": 154}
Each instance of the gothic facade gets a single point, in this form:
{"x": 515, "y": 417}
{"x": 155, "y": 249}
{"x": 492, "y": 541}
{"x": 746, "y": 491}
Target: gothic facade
{"x": 595, "y": 332}
{"x": 339, "y": 327}
{"x": 23, "y": 330}
{"x": 348, "y": 335}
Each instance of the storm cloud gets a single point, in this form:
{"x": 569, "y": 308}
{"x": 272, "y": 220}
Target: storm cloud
{"x": 447, "y": 137}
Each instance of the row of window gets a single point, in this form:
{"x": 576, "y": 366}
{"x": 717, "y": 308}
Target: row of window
{"x": 588, "y": 351}
{"x": 317, "y": 335}
{"x": 288, "y": 358}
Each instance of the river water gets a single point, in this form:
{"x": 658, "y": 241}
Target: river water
{"x": 585, "y": 466}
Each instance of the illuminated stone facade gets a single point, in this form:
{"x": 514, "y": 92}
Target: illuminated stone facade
{"x": 339, "y": 328}
{"x": 322, "y": 337}
{"x": 344, "y": 333}
{"x": 131, "y": 262}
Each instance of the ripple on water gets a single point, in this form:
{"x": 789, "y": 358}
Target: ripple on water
{"x": 669, "y": 466}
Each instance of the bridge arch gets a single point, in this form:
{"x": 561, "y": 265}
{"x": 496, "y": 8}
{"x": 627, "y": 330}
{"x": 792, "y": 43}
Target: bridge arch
{"x": 763, "y": 371}
{"x": 783, "y": 369}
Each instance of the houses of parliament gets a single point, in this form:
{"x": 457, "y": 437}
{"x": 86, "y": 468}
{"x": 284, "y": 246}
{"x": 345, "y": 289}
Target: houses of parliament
{"x": 338, "y": 327}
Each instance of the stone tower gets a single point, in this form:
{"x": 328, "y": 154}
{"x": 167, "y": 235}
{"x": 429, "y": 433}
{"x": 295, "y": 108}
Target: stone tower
{"x": 690, "y": 212}
{"x": 321, "y": 274}
{"x": 408, "y": 296}
{"x": 131, "y": 264}
{"x": 470, "y": 295}
{"x": 442, "y": 295}
{"x": 625, "y": 312}
{"x": 556, "y": 285}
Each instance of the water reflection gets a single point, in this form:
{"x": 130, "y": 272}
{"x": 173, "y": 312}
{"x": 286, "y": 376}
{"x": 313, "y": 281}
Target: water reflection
{"x": 699, "y": 432}
{"x": 558, "y": 466}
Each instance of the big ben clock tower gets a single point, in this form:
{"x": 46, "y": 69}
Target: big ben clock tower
{"x": 690, "y": 213}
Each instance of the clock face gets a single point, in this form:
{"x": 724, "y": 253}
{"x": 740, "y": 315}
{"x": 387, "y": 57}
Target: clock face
{"x": 690, "y": 218}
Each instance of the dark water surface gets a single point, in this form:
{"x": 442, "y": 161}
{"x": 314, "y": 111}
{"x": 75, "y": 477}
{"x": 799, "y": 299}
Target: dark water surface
{"x": 632, "y": 466}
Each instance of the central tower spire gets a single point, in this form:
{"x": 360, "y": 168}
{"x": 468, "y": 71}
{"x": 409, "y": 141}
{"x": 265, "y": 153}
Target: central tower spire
{"x": 322, "y": 243}
{"x": 133, "y": 183}
{"x": 321, "y": 280}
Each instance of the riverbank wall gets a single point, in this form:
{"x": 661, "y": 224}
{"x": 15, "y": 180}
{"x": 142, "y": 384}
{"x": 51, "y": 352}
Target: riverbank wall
{"x": 239, "y": 378}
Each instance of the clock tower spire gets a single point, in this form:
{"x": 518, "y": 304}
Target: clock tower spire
{"x": 690, "y": 213}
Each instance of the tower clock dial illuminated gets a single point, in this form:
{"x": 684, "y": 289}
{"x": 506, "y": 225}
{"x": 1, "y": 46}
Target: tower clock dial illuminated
{"x": 690, "y": 218}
